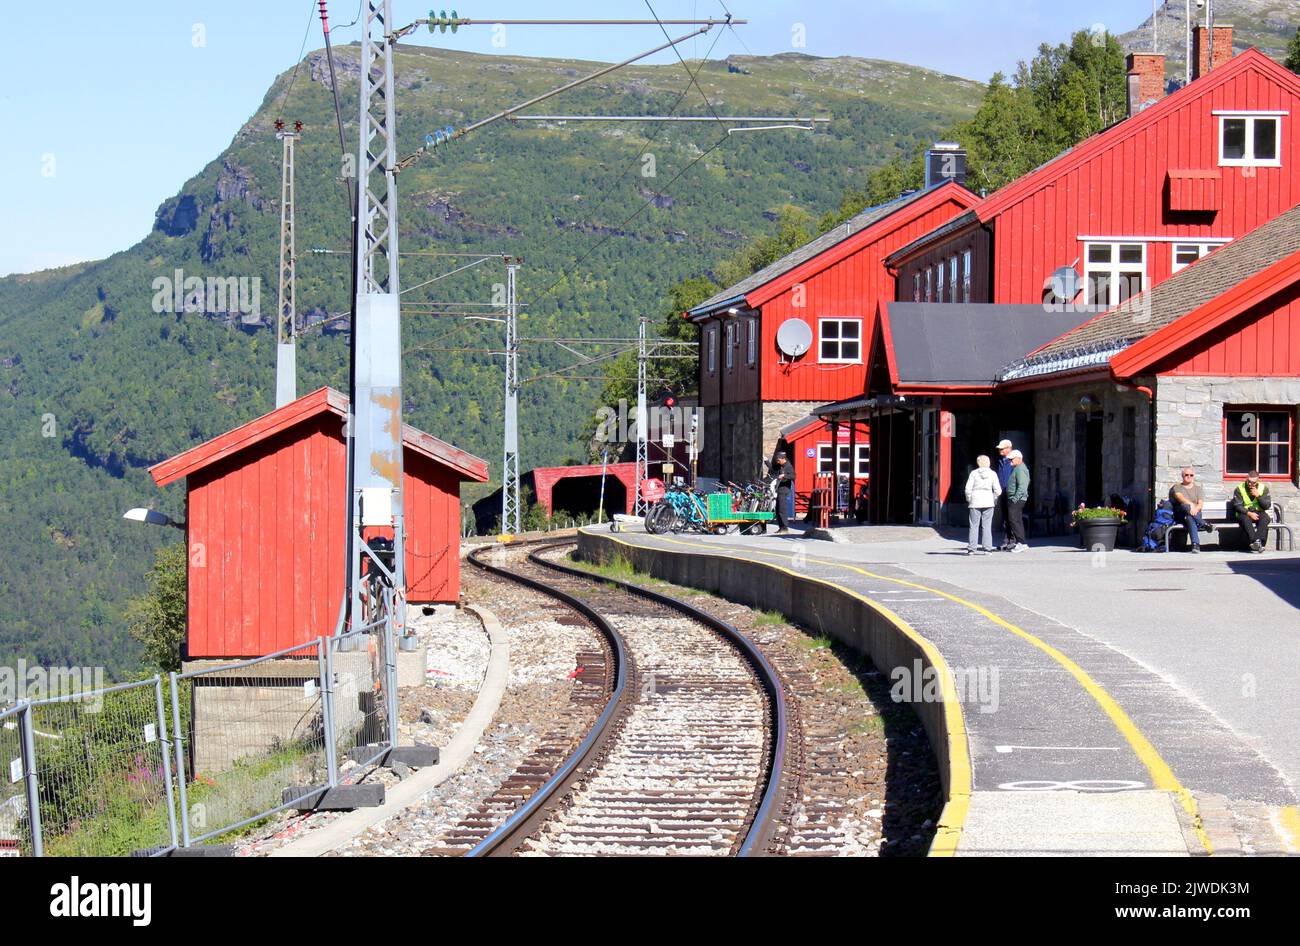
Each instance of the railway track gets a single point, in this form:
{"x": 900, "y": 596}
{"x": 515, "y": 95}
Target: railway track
{"x": 687, "y": 754}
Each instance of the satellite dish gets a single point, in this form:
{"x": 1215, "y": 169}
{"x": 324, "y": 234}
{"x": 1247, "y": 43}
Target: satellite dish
{"x": 1066, "y": 283}
{"x": 794, "y": 337}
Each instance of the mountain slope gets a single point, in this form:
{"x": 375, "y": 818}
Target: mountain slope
{"x": 1266, "y": 24}
{"x": 95, "y": 384}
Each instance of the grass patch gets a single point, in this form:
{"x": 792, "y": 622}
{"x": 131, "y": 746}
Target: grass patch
{"x": 820, "y": 642}
{"x": 769, "y": 619}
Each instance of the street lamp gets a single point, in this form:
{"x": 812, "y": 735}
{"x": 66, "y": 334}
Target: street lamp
{"x": 152, "y": 517}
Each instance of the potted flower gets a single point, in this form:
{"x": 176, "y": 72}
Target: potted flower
{"x": 1098, "y": 526}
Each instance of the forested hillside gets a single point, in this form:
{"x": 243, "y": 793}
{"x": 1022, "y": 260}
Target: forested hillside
{"x": 95, "y": 385}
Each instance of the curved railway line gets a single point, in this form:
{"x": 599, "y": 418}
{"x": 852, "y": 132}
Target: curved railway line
{"x": 687, "y": 755}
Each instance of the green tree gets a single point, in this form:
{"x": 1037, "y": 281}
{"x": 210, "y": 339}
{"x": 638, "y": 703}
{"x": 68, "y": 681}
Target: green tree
{"x": 157, "y": 618}
{"x": 1293, "y": 53}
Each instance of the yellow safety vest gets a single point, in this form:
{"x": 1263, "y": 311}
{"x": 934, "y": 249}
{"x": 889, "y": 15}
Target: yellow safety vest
{"x": 1249, "y": 502}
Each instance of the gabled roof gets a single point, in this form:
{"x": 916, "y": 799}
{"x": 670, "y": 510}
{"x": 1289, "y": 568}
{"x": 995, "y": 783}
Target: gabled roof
{"x": 963, "y": 345}
{"x": 843, "y": 240}
{"x": 321, "y": 401}
{"x": 1067, "y": 160}
{"x": 1259, "y": 262}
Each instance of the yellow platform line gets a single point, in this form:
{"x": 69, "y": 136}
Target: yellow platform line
{"x": 1288, "y": 819}
{"x": 953, "y": 817}
{"x": 1162, "y": 776}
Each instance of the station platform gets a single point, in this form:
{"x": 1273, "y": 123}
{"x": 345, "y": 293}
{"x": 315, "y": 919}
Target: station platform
{"x": 1074, "y": 709}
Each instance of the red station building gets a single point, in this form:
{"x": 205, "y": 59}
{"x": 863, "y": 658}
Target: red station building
{"x": 1152, "y": 201}
{"x": 758, "y": 388}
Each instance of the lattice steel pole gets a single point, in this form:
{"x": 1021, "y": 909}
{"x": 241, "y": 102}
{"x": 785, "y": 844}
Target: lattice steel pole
{"x": 286, "y": 318}
{"x": 376, "y": 321}
{"x": 510, "y": 503}
{"x": 642, "y": 420}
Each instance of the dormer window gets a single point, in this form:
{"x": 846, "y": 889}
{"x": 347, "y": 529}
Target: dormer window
{"x": 1250, "y": 139}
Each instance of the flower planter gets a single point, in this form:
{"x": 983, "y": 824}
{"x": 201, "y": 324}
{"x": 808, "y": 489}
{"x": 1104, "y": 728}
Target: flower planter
{"x": 1099, "y": 534}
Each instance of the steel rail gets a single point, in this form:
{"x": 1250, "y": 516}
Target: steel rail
{"x": 528, "y": 816}
{"x": 759, "y": 833}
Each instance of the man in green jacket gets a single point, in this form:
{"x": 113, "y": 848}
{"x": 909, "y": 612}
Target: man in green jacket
{"x": 1250, "y": 504}
{"x": 1017, "y": 496}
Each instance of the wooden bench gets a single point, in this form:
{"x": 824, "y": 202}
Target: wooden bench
{"x": 1216, "y": 513}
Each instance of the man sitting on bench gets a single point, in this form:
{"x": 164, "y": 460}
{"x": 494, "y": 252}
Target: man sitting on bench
{"x": 1188, "y": 499}
{"x": 1250, "y": 504}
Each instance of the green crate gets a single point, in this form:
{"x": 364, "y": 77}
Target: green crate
{"x": 719, "y": 506}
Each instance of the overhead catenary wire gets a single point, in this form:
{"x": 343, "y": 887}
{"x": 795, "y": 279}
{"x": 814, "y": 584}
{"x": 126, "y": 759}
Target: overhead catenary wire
{"x": 284, "y": 99}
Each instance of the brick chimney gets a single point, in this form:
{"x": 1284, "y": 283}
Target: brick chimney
{"x": 1146, "y": 80}
{"x": 1201, "y": 62}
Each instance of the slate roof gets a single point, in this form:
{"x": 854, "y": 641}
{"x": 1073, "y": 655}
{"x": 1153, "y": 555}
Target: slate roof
{"x": 821, "y": 244}
{"x": 969, "y": 344}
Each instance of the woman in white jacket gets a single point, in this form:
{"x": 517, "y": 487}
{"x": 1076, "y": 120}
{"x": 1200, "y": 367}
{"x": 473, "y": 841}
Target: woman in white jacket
{"x": 982, "y": 492}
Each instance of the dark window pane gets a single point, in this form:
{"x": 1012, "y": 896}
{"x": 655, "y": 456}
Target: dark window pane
{"x": 1265, "y": 139}
{"x": 830, "y": 350}
{"x": 1099, "y": 253}
{"x": 849, "y": 350}
{"x": 850, "y": 330}
{"x": 1130, "y": 253}
{"x": 1130, "y": 284}
{"x": 830, "y": 330}
{"x": 1275, "y": 427}
{"x": 1274, "y": 459}
{"x": 1242, "y": 425}
{"x": 1098, "y": 288}
{"x": 1234, "y": 139}
{"x": 1241, "y": 458}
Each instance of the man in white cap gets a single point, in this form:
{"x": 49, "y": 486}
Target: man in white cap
{"x": 1017, "y": 495}
{"x": 1000, "y": 510}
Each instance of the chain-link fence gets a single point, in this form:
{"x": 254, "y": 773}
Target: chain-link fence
{"x": 19, "y": 779}
{"x": 95, "y": 773}
{"x": 251, "y": 739}
{"x": 363, "y": 676}
{"x": 89, "y": 774}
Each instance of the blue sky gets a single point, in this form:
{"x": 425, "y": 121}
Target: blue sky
{"x": 109, "y": 108}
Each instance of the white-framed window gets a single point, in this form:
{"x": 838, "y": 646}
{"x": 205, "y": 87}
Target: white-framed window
{"x": 751, "y": 349}
{"x": 929, "y": 283}
{"x": 952, "y": 276}
{"x": 965, "y": 276}
{"x": 1185, "y": 254}
{"x": 862, "y": 466}
{"x": 939, "y": 284}
{"x": 1113, "y": 272}
{"x": 731, "y": 345}
{"x": 713, "y": 348}
{"x": 916, "y": 287}
{"x": 841, "y": 340}
{"x": 1250, "y": 139}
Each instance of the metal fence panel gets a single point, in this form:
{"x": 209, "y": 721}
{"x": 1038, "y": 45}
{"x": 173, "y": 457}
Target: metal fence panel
{"x": 359, "y": 684}
{"x": 251, "y": 739}
{"x": 102, "y": 774}
{"x": 15, "y": 823}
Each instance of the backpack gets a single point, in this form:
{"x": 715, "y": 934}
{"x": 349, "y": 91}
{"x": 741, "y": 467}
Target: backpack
{"x": 1154, "y": 539}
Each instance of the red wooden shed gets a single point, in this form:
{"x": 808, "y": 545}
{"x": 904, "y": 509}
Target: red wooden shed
{"x": 266, "y": 520}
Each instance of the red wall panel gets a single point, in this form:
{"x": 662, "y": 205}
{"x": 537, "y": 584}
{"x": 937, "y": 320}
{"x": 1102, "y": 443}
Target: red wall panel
{"x": 1262, "y": 342}
{"x": 1122, "y": 190}
{"x": 850, "y": 288}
